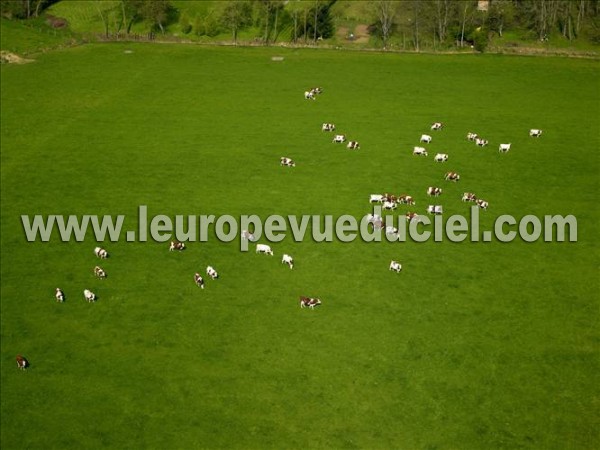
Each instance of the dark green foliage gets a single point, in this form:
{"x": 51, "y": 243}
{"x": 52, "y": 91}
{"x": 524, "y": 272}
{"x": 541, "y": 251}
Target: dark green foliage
{"x": 209, "y": 25}
{"x": 24, "y": 9}
{"x": 236, "y": 16}
{"x": 479, "y": 38}
{"x": 184, "y": 23}
{"x": 324, "y": 27}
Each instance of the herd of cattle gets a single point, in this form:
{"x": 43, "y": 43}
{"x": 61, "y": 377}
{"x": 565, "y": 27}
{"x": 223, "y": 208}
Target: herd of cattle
{"x": 388, "y": 202}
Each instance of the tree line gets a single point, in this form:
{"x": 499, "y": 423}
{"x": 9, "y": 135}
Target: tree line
{"x": 412, "y": 24}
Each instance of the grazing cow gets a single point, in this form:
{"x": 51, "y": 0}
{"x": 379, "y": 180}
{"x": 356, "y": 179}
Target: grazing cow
{"x": 328, "y": 127}
{"x": 99, "y": 272}
{"x": 264, "y": 248}
{"x": 441, "y": 157}
{"x": 339, "y": 138}
{"x": 376, "y": 220}
{"x": 211, "y": 272}
{"x": 287, "y": 162}
{"x": 198, "y": 280}
{"x": 435, "y": 209}
{"x": 22, "y": 362}
{"x": 395, "y": 265}
{"x": 426, "y": 138}
{"x": 482, "y": 203}
{"x": 176, "y": 245}
{"x": 469, "y": 197}
{"x": 316, "y": 90}
{"x": 391, "y": 230}
{"x": 472, "y": 136}
{"x": 353, "y": 145}
{"x": 287, "y": 259}
{"x": 535, "y": 133}
{"x": 89, "y": 295}
{"x": 376, "y": 198}
{"x": 309, "y": 302}
{"x": 437, "y": 126}
{"x": 246, "y": 235}
{"x": 373, "y": 218}
{"x": 504, "y": 148}
{"x": 60, "y": 295}
{"x": 481, "y": 142}
{"x": 419, "y": 151}
{"x": 390, "y": 198}
{"x": 101, "y": 253}
{"x": 389, "y": 206}
{"x": 452, "y": 176}
{"x": 405, "y": 199}
{"x": 434, "y": 191}
{"x": 410, "y": 216}
{"x": 309, "y": 95}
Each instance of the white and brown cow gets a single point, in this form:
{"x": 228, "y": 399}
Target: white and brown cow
{"x": 435, "y": 209}
{"x": 339, "y": 138}
{"x": 211, "y": 272}
{"x": 452, "y": 176}
{"x": 176, "y": 245}
{"x": 481, "y": 203}
{"x": 469, "y": 197}
{"x": 22, "y": 362}
{"x": 376, "y": 198}
{"x": 60, "y": 295}
{"x": 89, "y": 295}
{"x": 481, "y": 142}
{"x": 440, "y": 157}
{"x": 287, "y": 259}
{"x": 426, "y": 138}
{"x": 247, "y": 235}
{"x": 410, "y": 216}
{"x": 199, "y": 280}
{"x": 405, "y": 199}
{"x": 264, "y": 248}
{"x": 472, "y": 136}
{"x": 328, "y": 127}
{"x": 504, "y": 148}
{"x": 434, "y": 191}
{"x": 309, "y": 302}
{"x": 353, "y": 145}
{"x": 101, "y": 253}
{"x": 389, "y": 206}
{"x": 99, "y": 272}
{"x": 285, "y": 161}
{"x": 437, "y": 126}
{"x": 396, "y": 266}
{"x": 535, "y": 132}
{"x": 421, "y": 151}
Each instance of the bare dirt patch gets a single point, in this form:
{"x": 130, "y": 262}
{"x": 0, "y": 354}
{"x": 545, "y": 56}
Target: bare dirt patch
{"x": 12, "y": 58}
{"x": 361, "y": 34}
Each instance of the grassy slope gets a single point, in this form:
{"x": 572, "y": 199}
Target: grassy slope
{"x": 472, "y": 346}
{"x": 33, "y": 38}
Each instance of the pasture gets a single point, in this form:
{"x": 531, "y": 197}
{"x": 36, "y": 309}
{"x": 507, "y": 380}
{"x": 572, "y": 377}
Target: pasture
{"x": 473, "y": 345}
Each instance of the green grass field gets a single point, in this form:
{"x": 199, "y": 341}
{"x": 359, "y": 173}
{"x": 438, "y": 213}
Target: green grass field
{"x": 473, "y": 346}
